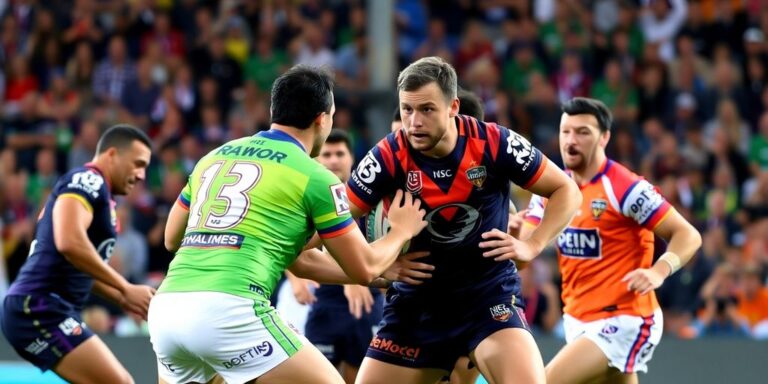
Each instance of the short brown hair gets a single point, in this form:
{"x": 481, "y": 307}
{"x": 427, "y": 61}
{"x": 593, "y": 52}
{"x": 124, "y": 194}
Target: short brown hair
{"x": 427, "y": 70}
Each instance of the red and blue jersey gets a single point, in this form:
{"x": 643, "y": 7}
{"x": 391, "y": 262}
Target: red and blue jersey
{"x": 46, "y": 271}
{"x": 464, "y": 194}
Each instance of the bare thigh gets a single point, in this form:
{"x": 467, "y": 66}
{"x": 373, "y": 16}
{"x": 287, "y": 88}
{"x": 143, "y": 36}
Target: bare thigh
{"x": 348, "y": 372}
{"x": 509, "y": 356}
{"x": 580, "y": 361}
{"x": 92, "y": 362}
{"x": 378, "y": 372}
{"x": 308, "y": 365}
{"x": 462, "y": 374}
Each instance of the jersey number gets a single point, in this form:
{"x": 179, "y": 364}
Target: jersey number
{"x": 233, "y": 194}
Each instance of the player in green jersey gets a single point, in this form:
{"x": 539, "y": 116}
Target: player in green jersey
{"x": 247, "y": 211}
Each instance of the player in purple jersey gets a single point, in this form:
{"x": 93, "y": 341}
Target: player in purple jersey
{"x": 460, "y": 168}
{"x": 74, "y": 238}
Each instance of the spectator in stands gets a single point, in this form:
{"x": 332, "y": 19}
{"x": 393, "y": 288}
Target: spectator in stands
{"x": 113, "y": 73}
{"x": 139, "y": 97}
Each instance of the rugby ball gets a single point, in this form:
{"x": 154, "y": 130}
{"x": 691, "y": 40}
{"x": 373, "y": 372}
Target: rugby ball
{"x": 377, "y": 224}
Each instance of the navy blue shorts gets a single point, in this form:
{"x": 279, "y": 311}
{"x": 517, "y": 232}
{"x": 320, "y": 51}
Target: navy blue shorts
{"x": 341, "y": 337}
{"x": 42, "y": 329}
{"x": 434, "y": 333}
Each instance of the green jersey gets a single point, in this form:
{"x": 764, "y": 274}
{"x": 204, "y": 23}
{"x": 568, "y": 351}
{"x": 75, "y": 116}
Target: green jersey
{"x": 253, "y": 204}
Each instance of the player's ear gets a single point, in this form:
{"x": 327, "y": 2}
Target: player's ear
{"x": 604, "y": 138}
{"x": 454, "y": 107}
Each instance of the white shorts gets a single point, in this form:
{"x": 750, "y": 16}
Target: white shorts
{"x": 289, "y": 309}
{"x": 627, "y": 341}
{"x": 198, "y": 334}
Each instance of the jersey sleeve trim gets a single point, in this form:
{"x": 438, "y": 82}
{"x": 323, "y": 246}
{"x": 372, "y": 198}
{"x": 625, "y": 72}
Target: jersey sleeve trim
{"x": 627, "y": 193}
{"x": 538, "y": 173}
{"x": 79, "y": 198}
{"x": 183, "y": 201}
{"x": 532, "y": 221}
{"x": 354, "y": 199}
{"x": 658, "y": 216}
{"x": 338, "y": 229}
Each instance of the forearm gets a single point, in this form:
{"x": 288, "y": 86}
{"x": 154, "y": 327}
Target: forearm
{"x": 107, "y": 292}
{"x": 557, "y": 214}
{"x": 386, "y": 250}
{"x": 87, "y": 260}
{"x": 319, "y": 266}
{"x": 680, "y": 250}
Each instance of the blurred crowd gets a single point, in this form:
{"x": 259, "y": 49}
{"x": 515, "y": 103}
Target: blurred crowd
{"x": 686, "y": 80}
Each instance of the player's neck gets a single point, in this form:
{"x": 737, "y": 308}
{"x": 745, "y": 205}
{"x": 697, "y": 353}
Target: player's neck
{"x": 303, "y": 136}
{"x": 584, "y": 176}
{"x": 102, "y": 164}
{"x": 447, "y": 142}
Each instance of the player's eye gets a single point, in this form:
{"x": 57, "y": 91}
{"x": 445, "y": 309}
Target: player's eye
{"x": 428, "y": 109}
{"x": 407, "y": 110}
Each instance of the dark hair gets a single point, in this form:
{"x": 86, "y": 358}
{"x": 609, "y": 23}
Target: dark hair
{"x": 470, "y": 104}
{"x": 121, "y": 136}
{"x": 396, "y": 115}
{"x": 339, "y": 136}
{"x": 587, "y": 106}
{"x": 300, "y": 95}
{"x": 428, "y": 70}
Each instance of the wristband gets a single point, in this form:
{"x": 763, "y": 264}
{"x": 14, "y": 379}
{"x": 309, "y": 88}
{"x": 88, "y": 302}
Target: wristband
{"x": 672, "y": 260}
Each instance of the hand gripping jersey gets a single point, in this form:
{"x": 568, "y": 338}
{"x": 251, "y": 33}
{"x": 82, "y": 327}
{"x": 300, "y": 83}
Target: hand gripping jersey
{"x": 47, "y": 271}
{"x": 253, "y": 203}
{"x": 464, "y": 194}
{"x": 611, "y": 235}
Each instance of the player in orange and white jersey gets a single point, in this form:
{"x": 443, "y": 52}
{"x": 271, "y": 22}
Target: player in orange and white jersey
{"x": 611, "y": 316}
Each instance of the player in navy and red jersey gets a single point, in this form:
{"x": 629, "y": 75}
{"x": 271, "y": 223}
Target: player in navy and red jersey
{"x": 341, "y": 321}
{"x": 460, "y": 168}
{"x": 74, "y": 238}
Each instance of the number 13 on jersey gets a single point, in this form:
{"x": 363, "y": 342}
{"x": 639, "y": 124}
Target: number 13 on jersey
{"x": 222, "y": 201}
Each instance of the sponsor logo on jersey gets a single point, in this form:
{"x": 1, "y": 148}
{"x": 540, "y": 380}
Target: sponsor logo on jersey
{"x": 368, "y": 168}
{"x": 452, "y": 223}
{"x": 500, "y": 312}
{"x": 70, "y": 326}
{"x": 580, "y": 243}
{"x": 389, "y": 347}
{"x": 521, "y": 149}
{"x": 414, "y": 184}
{"x": 642, "y": 201}
{"x": 36, "y": 346}
{"x": 646, "y": 351}
{"x": 598, "y": 208}
{"x": 201, "y": 239}
{"x": 477, "y": 175}
{"x": 87, "y": 181}
{"x": 106, "y": 248}
{"x": 264, "y": 349}
{"x": 442, "y": 174}
{"x": 340, "y": 199}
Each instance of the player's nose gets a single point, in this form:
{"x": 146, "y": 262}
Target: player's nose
{"x": 416, "y": 120}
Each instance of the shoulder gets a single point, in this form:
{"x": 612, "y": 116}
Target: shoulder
{"x": 621, "y": 177}
{"x": 84, "y": 179}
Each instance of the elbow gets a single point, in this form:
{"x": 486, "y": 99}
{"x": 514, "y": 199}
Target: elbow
{"x": 170, "y": 245}
{"x": 695, "y": 239}
{"x": 65, "y": 246}
{"x": 364, "y": 277}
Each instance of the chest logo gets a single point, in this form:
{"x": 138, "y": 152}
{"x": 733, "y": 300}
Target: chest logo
{"x": 477, "y": 175}
{"x": 414, "y": 183}
{"x": 598, "y": 208}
